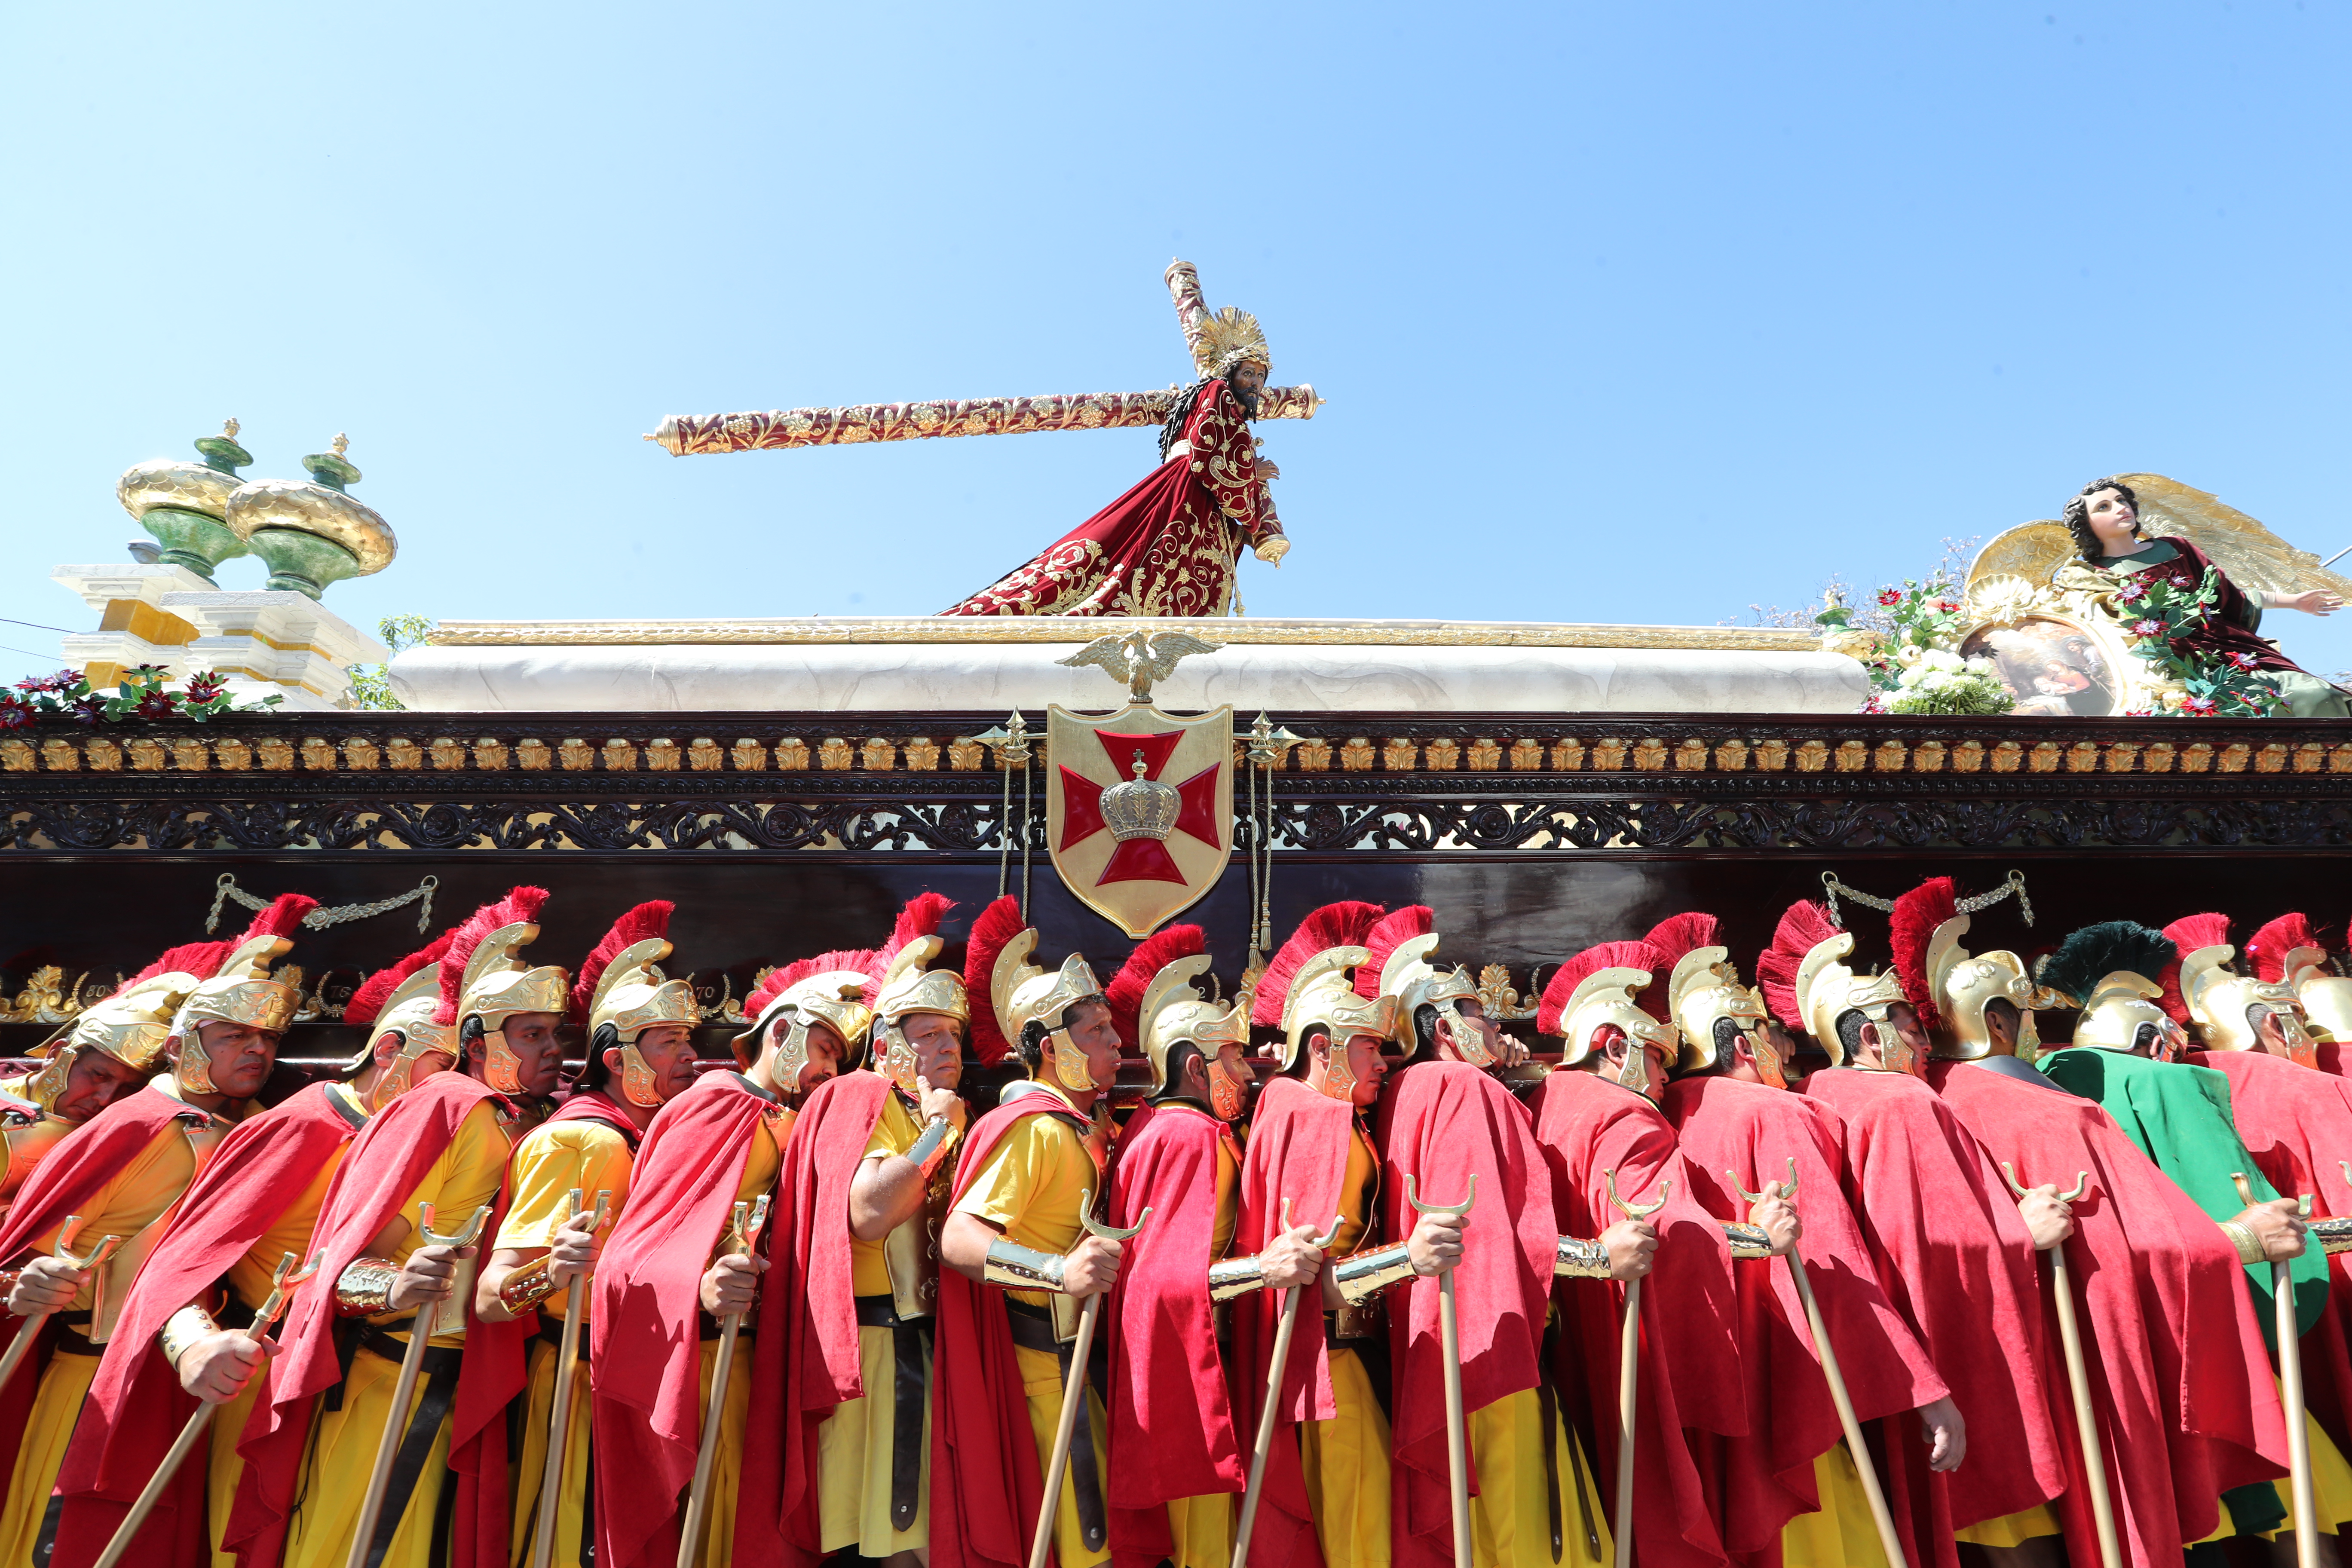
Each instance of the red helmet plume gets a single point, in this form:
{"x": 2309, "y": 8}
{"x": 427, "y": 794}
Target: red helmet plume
{"x": 1156, "y": 953}
{"x": 2269, "y": 946}
{"x": 1344, "y": 925}
{"x": 1677, "y": 936}
{"x": 1388, "y": 933}
{"x": 1652, "y": 998}
{"x": 282, "y": 916}
{"x": 520, "y": 904}
{"x": 644, "y": 923}
{"x": 998, "y": 924}
{"x": 369, "y": 999}
{"x": 2188, "y": 933}
{"x": 1917, "y": 915}
{"x": 920, "y": 918}
{"x": 1804, "y": 926}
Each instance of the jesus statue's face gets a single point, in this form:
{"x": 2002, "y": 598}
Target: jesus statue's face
{"x": 1247, "y": 378}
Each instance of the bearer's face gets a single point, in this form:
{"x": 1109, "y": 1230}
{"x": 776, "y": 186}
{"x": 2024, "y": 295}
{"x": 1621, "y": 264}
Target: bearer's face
{"x": 241, "y": 1056}
{"x": 539, "y": 1061}
{"x": 938, "y": 1040}
{"x": 94, "y": 1081}
{"x": 667, "y": 1051}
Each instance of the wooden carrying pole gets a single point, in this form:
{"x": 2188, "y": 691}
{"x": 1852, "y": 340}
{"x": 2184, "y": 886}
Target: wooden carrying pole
{"x": 1628, "y": 1361}
{"x": 742, "y": 1234}
{"x": 2305, "y": 1521}
{"x": 567, "y": 1356}
{"x": 1074, "y": 1389}
{"x": 1881, "y": 1517}
{"x": 1449, "y": 1329}
{"x": 1287, "y": 1321}
{"x": 2078, "y": 1378}
{"x": 93, "y": 1258}
{"x": 281, "y": 1289}
{"x": 412, "y": 1365}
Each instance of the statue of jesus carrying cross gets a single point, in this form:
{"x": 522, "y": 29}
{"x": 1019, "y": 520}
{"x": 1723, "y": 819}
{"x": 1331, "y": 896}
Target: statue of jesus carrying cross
{"x": 1167, "y": 547}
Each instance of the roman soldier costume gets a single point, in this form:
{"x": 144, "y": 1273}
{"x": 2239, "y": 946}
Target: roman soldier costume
{"x": 129, "y": 1026}
{"x": 255, "y": 1201}
{"x": 312, "y": 1440}
{"x": 1927, "y": 1196}
{"x": 1790, "y": 1491}
{"x": 836, "y": 1451}
{"x": 585, "y": 1147}
{"x": 1603, "y": 1137}
{"x": 124, "y": 1171}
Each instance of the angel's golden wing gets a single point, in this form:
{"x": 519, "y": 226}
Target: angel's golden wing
{"x": 2033, "y": 551}
{"x": 2253, "y": 556}
{"x": 1167, "y": 648}
{"x": 1108, "y": 653}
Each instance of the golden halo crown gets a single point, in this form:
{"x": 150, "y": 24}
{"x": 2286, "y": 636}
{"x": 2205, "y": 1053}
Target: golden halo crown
{"x": 1230, "y": 337}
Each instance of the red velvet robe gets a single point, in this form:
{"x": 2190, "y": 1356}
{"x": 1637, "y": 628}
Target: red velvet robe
{"x": 1447, "y": 1123}
{"x": 1165, "y": 548}
{"x": 1171, "y": 1432}
{"x": 83, "y": 1162}
{"x": 644, "y": 1315}
{"x": 807, "y": 1360}
{"x": 1298, "y": 1151}
{"x": 387, "y": 1162}
{"x": 985, "y": 1484}
{"x": 1958, "y": 1264}
{"x": 2178, "y": 1376}
{"x": 2298, "y": 1124}
{"x": 1747, "y": 1133}
{"x": 1692, "y": 1379}
{"x": 136, "y": 1406}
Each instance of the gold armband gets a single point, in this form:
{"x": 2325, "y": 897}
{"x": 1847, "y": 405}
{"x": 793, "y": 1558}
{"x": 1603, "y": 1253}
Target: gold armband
{"x": 1746, "y": 1240}
{"x": 364, "y": 1288}
{"x": 182, "y": 1329}
{"x": 2331, "y": 1236}
{"x": 1367, "y": 1274}
{"x": 526, "y": 1287}
{"x": 1581, "y": 1259}
{"x": 939, "y": 1141}
{"x": 2250, "y": 1249}
{"x": 1019, "y": 1268}
{"x": 1232, "y": 1277}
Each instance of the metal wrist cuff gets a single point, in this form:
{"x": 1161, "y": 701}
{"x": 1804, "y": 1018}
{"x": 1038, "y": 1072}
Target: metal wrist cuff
{"x": 2250, "y": 1249}
{"x": 1019, "y": 1268}
{"x": 9, "y": 1277}
{"x": 365, "y": 1287}
{"x": 2331, "y": 1236}
{"x": 1746, "y": 1240}
{"x": 1367, "y": 1274}
{"x": 526, "y": 1287}
{"x": 1581, "y": 1259}
{"x": 939, "y": 1141}
{"x": 182, "y": 1329}
{"x": 1232, "y": 1277}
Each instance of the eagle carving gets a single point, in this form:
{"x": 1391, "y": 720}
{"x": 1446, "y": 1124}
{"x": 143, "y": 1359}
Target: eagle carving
{"x": 1138, "y": 657}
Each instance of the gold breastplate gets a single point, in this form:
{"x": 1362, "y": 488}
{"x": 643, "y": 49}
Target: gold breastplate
{"x": 113, "y": 1286}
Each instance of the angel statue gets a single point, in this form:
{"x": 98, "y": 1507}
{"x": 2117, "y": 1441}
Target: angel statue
{"x": 2144, "y": 527}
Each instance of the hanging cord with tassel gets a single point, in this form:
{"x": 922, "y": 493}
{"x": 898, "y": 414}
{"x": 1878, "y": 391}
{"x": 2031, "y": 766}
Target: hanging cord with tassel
{"x": 321, "y": 918}
{"x": 1968, "y": 906}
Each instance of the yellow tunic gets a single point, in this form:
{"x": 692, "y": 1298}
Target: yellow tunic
{"x": 249, "y": 1279}
{"x": 343, "y": 1442}
{"x": 855, "y": 1444}
{"x": 1031, "y": 1187}
{"x": 549, "y": 1163}
{"x": 1347, "y": 1458}
{"x": 1841, "y": 1534}
{"x": 138, "y": 1195}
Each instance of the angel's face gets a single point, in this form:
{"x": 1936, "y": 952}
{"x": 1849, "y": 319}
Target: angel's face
{"x": 2112, "y": 520}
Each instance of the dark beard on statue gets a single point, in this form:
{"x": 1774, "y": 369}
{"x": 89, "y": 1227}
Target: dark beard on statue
{"x": 1248, "y": 400}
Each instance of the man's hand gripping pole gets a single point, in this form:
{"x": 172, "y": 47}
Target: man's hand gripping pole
{"x": 567, "y": 1356}
{"x": 1074, "y": 1389}
{"x": 1282, "y": 1327}
{"x": 1449, "y": 1328}
{"x": 742, "y": 1234}
{"x": 2290, "y": 1356}
{"x": 1628, "y": 1361}
{"x": 94, "y": 1258}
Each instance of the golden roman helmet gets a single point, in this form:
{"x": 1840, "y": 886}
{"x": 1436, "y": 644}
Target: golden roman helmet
{"x": 2119, "y": 1003}
{"x": 833, "y": 997}
{"x": 1322, "y": 997}
{"x": 240, "y": 991}
{"x": 1605, "y": 998}
{"x": 131, "y": 1027}
{"x": 497, "y": 984}
{"x": 1705, "y": 988}
{"x": 2219, "y": 999}
{"x": 2104, "y": 969}
{"x": 1827, "y": 991}
{"x": 1024, "y": 993}
{"x": 910, "y": 987}
{"x": 411, "y": 1012}
{"x": 2326, "y": 996}
{"x": 632, "y": 996}
{"x": 1964, "y": 986}
{"x": 1415, "y": 982}
{"x": 1173, "y": 1012}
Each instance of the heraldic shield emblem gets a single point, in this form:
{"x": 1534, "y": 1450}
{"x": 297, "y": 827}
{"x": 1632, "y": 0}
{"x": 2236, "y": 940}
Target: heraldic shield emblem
{"x": 1139, "y": 809}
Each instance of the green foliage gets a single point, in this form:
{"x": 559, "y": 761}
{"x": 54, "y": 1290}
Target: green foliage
{"x": 2160, "y": 616}
{"x": 141, "y": 694}
{"x": 371, "y": 683}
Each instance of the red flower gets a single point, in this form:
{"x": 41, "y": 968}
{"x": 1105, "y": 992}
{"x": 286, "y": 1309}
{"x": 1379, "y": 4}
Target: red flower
{"x": 2244, "y": 660}
{"x": 156, "y": 704}
{"x": 2198, "y": 707}
{"x": 14, "y": 712}
{"x": 1890, "y": 597}
{"x": 1943, "y": 607}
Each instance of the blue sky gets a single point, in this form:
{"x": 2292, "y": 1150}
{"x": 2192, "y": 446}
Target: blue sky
{"x": 1638, "y": 313}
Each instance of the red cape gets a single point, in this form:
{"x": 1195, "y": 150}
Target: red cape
{"x": 83, "y": 1161}
{"x": 136, "y": 1406}
{"x": 2178, "y": 1375}
{"x": 1298, "y": 1151}
{"x": 1958, "y": 1264}
{"x": 1172, "y": 1420}
{"x": 2298, "y": 1124}
{"x": 1446, "y": 1122}
{"x": 1690, "y": 1373}
{"x": 386, "y": 1162}
{"x": 986, "y": 1486}
{"x": 644, "y": 1316}
{"x": 807, "y": 1358}
{"x": 1746, "y": 1134}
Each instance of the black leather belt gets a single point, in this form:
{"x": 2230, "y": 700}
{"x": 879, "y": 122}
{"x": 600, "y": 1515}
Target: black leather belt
{"x": 439, "y": 1381}
{"x": 72, "y": 1336}
{"x": 1548, "y": 1397}
{"x": 1033, "y": 1329}
{"x": 1373, "y": 1350}
{"x": 910, "y": 1339}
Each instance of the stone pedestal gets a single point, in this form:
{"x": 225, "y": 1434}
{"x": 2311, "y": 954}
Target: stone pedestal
{"x": 285, "y": 644}
{"x": 133, "y": 628}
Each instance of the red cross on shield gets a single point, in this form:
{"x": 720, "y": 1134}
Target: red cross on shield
{"x": 1139, "y": 855}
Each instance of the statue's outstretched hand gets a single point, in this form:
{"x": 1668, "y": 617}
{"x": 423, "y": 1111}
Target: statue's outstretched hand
{"x": 1273, "y": 549}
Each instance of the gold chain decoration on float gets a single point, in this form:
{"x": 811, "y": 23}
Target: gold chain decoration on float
{"x": 2014, "y": 883}
{"x": 320, "y": 919}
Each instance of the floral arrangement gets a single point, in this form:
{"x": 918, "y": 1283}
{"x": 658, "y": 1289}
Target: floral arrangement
{"x": 1905, "y": 641}
{"x": 2158, "y": 613}
{"x": 141, "y": 694}
{"x": 1937, "y": 680}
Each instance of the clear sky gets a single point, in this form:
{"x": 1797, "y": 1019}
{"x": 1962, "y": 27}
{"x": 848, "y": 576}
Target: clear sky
{"x": 1626, "y": 313}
